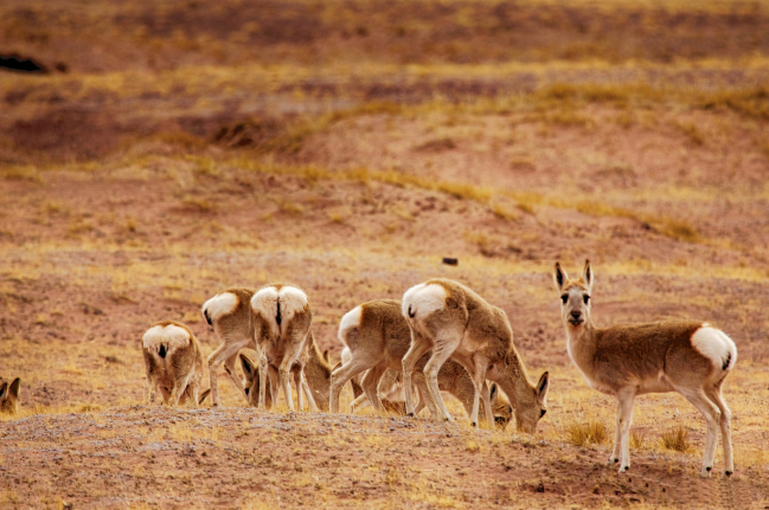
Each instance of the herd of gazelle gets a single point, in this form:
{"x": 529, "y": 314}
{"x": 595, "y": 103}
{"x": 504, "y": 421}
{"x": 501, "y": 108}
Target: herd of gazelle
{"x": 441, "y": 337}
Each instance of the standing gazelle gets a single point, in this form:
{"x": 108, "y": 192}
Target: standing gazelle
{"x": 692, "y": 358}
{"x": 457, "y": 323}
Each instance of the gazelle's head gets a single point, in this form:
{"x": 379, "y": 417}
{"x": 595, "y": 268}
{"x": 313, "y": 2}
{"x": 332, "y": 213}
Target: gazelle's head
{"x": 575, "y": 295}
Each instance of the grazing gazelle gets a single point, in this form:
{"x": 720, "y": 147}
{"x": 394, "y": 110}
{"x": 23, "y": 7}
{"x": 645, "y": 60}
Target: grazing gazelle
{"x": 9, "y": 396}
{"x": 692, "y": 358}
{"x": 275, "y": 321}
{"x": 377, "y": 336}
{"x": 174, "y": 363}
{"x": 457, "y": 323}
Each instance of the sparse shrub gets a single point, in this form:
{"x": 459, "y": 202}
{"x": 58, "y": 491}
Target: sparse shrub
{"x": 194, "y": 204}
{"x": 585, "y": 433}
{"x": 692, "y": 131}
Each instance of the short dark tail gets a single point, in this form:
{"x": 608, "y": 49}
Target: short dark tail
{"x": 727, "y": 361}
{"x": 208, "y": 317}
{"x": 162, "y": 351}
{"x": 277, "y": 316}
{"x": 412, "y": 314}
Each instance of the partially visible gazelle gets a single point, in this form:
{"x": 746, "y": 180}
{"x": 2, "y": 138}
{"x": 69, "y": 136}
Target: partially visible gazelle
{"x": 376, "y": 337}
{"x": 455, "y": 322}
{"x": 173, "y": 363}
{"x": 692, "y": 358}
{"x": 9, "y": 396}
{"x": 275, "y": 321}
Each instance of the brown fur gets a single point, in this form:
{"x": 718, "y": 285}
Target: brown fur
{"x": 177, "y": 374}
{"x": 633, "y": 359}
{"x": 9, "y": 396}
{"x": 478, "y": 336}
{"x": 379, "y": 342}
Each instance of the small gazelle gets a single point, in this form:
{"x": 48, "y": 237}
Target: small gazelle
{"x": 692, "y": 358}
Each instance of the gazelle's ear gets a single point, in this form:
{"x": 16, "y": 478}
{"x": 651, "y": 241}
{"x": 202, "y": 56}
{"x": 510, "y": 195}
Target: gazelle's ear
{"x": 13, "y": 389}
{"x": 493, "y": 392}
{"x": 248, "y": 367}
{"x": 588, "y": 276}
{"x": 559, "y": 276}
{"x": 542, "y": 386}
{"x": 3, "y": 387}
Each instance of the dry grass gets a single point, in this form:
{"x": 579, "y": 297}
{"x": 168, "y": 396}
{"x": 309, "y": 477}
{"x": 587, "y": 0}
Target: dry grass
{"x": 586, "y": 433}
{"x": 676, "y": 439}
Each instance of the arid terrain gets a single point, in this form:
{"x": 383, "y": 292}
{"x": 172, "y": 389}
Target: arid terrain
{"x": 171, "y": 150}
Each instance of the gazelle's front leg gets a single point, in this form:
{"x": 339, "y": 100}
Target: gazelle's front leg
{"x": 308, "y": 392}
{"x": 478, "y": 375}
{"x": 419, "y": 345}
{"x": 624, "y": 420}
{"x": 486, "y": 396}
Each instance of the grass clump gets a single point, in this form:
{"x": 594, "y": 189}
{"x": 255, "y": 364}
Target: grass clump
{"x": 676, "y": 439}
{"x": 585, "y": 433}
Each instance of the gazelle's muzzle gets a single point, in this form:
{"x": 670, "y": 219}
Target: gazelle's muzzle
{"x": 575, "y": 318}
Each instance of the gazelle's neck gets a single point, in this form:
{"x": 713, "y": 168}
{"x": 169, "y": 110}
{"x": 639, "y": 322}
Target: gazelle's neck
{"x": 580, "y": 340}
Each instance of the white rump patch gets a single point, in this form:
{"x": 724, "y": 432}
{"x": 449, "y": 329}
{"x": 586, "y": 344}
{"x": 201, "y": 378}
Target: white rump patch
{"x": 346, "y": 356}
{"x": 349, "y": 321}
{"x": 220, "y": 305}
{"x": 423, "y": 300}
{"x": 265, "y": 303}
{"x": 172, "y": 336}
{"x": 292, "y": 301}
{"x": 716, "y": 346}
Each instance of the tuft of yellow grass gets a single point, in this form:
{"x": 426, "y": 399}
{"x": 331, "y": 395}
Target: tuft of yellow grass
{"x": 591, "y": 431}
{"x": 676, "y": 439}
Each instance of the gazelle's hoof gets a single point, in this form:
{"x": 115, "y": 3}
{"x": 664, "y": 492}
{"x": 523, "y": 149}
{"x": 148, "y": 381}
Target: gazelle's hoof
{"x": 705, "y": 473}
{"x": 728, "y": 473}
{"x": 474, "y": 424}
{"x": 624, "y": 469}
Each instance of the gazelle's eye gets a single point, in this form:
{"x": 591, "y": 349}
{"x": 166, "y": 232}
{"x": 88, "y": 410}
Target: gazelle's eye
{"x": 564, "y": 298}
{"x": 586, "y": 298}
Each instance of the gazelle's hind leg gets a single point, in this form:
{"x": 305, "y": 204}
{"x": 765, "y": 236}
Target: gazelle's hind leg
{"x": 229, "y": 368}
{"x": 224, "y": 352}
{"x": 341, "y": 375}
{"x": 714, "y": 394}
{"x": 712, "y": 416}
{"x": 370, "y": 385}
{"x": 445, "y": 344}
{"x": 419, "y": 345}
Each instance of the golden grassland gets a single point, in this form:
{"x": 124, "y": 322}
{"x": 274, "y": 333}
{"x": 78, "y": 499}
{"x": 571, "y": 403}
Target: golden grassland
{"x": 534, "y": 150}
